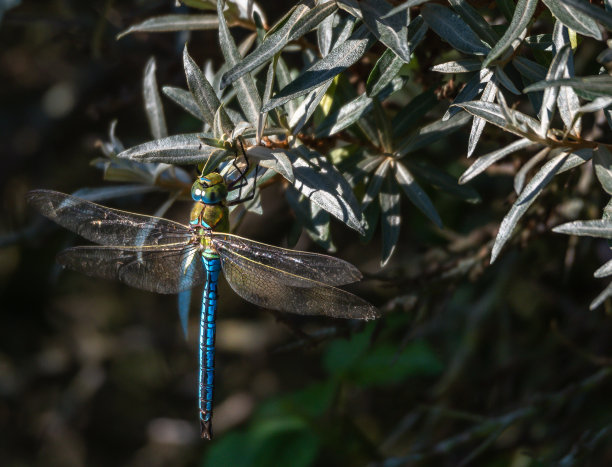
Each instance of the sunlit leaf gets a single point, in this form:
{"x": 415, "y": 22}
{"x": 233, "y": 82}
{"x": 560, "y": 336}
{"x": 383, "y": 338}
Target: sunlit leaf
{"x": 338, "y": 60}
{"x": 153, "y": 105}
{"x": 522, "y": 15}
{"x": 484, "y": 162}
{"x": 488, "y": 95}
{"x": 602, "y": 16}
{"x": 273, "y": 158}
{"x": 524, "y": 201}
{"x": 595, "y": 228}
{"x": 463, "y": 65}
{"x": 389, "y": 28}
{"x": 471, "y": 89}
{"x": 598, "y": 86}
{"x": 557, "y": 68}
{"x": 171, "y": 23}
{"x": 602, "y": 162}
{"x": 519, "y": 123}
{"x": 573, "y": 18}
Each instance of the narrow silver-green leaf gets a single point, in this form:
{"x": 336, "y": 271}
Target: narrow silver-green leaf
{"x": 153, "y": 105}
{"x": 604, "y": 271}
{"x": 475, "y": 21}
{"x": 353, "y": 111}
{"x": 605, "y": 294}
{"x": 433, "y": 132}
{"x": 389, "y": 64}
{"x": 176, "y": 149}
{"x": 522, "y": 15}
{"x": 602, "y": 162}
{"x": 204, "y": 94}
{"x": 598, "y": 86}
{"x": 484, "y": 162}
{"x": 451, "y": 28}
{"x": 527, "y": 197}
{"x": 463, "y": 65}
{"x": 472, "y": 88}
{"x": 171, "y": 23}
{"x": 274, "y": 159}
{"x": 312, "y": 218}
{"x": 185, "y": 100}
{"x": 602, "y": 16}
{"x": 557, "y": 68}
{"x": 375, "y": 183}
{"x": 338, "y": 60}
{"x": 321, "y": 182}
{"x": 599, "y": 228}
{"x": 519, "y": 123}
{"x": 521, "y": 175}
{"x": 273, "y": 43}
{"x": 325, "y": 33}
{"x": 573, "y": 18}
{"x": 248, "y": 97}
{"x": 390, "y": 29}
{"x": 575, "y": 159}
{"x": 488, "y": 95}
{"x": 390, "y": 219}
{"x": 415, "y": 193}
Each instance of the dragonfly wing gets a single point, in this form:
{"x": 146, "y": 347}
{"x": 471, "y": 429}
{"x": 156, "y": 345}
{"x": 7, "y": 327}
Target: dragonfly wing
{"x": 104, "y": 225}
{"x": 165, "y": 269}
{"x": 314, "y": 266}
{"x": 273, "y": 288}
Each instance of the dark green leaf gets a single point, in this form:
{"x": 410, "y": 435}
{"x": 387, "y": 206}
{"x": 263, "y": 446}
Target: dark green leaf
{"x": 338, "y": 60}
{"x": 415, "y": 193}
{"x": 530, "y": 69}
{"x": 312, "y": 218}
{"x": 522, "y": 15}
{"x": 543, "y": 42}
{"x": 413, "y": 112}
{"x": 153, "y": 105}
{"x": 169, "y": 23}
{"x": 505, "y": 81}
{"x": 475, "y": 21}
{"x": 443, "y": 181}
{"x": 391, "y": 219}
{"x": 451, "y": 28}
{"x": 375, "y": 183}
{"x": 433, "y": 132}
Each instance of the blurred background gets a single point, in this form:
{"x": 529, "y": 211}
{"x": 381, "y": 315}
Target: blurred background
{"x": 502, "y": 365}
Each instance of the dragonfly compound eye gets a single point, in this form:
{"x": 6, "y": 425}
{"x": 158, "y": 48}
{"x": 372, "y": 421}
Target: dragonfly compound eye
{"x": 197, "y": 191}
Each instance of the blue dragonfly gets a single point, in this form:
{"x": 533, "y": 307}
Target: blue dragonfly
{"x": 159, "y": 255}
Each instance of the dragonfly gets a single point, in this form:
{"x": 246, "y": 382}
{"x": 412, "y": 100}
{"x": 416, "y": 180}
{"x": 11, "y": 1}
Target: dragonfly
{"x": 164, "y": 256}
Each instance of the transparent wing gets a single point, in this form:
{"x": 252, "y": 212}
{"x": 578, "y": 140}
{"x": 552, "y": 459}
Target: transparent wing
{"x": 162, "y": 269}
{"x": 104, "y": 225}
{"x": 273, "y": 288}
{"x": 314, "y": 266}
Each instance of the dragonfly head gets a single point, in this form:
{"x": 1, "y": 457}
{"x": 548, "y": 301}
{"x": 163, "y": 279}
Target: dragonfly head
{"x": 209, "y": 189}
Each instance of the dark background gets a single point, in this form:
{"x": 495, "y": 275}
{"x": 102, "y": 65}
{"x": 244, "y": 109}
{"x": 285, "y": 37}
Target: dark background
{"x": 96, "y": 373}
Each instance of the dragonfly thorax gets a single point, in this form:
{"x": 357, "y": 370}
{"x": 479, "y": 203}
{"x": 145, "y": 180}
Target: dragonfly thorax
{"x": 209, "y": 189}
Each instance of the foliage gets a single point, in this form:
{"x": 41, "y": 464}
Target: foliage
{"x": 344, "y": 104}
